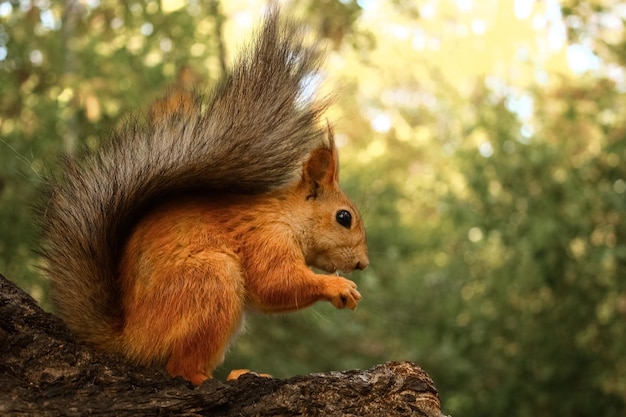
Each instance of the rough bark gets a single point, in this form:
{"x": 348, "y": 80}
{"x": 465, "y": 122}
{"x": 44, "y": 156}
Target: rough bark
{"x": 45, "y": 372}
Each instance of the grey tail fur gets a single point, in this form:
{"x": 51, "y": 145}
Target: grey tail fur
{"x": 256, "y": 128}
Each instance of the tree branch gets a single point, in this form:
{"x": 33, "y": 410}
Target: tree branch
{"x": 44, "y": 371}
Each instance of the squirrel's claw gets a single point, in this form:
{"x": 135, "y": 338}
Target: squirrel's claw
{"x": 342, "y": 293}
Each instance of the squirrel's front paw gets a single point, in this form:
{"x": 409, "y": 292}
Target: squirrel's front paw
{"x": 342, "y": 293}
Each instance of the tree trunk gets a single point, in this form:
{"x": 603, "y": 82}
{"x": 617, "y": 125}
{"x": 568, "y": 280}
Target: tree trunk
{"x": 45, "y": 372}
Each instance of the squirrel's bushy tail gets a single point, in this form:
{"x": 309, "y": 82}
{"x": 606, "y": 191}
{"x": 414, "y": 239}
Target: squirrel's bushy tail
{"x": 251, "y": 135}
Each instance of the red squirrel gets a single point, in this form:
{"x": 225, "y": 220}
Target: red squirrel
{"x": 158, "y": 242}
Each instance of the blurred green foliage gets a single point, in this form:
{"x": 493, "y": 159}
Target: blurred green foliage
{"x": 498, "y": 245}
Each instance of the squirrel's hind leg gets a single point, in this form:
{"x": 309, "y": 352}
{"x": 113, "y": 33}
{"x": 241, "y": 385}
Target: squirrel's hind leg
{"x": 236, "y": 373}
{"x": 211, "y": 313}
{"x": 185, "y": 313}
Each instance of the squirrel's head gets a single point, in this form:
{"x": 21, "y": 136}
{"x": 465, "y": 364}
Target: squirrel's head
{"x": 334, "y": 239}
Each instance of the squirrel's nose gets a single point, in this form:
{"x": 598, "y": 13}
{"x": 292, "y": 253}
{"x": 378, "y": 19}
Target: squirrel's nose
{"x": 362, "y": 264}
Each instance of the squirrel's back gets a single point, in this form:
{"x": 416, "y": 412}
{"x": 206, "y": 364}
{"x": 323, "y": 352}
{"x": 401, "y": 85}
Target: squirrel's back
{"x": 250, "y": 135}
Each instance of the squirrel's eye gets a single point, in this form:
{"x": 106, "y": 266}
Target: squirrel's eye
{"x": 344, "y": 218}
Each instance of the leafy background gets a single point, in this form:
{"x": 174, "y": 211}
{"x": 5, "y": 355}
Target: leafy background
{"x": 485, "y": 142}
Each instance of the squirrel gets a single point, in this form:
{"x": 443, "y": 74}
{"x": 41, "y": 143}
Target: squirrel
{"x": 158, "y": 242}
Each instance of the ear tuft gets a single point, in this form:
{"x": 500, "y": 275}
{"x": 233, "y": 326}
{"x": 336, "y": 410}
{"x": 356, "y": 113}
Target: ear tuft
{"x": 322, "y": 167}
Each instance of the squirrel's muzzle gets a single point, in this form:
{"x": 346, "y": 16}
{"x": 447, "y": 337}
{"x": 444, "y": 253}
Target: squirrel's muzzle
{"x": 362, "y": 264}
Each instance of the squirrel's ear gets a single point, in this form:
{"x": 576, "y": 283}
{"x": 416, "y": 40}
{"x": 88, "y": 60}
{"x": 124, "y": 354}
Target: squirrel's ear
{"x": 322, "y": 167}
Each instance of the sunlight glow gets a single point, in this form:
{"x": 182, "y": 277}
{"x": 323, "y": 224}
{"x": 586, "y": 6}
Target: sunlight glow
{"x": 475, "y": 234}
{"x": 169, "y": 6}
{"x": 381, "y": 123}
{"x": 523, "y": 8}
{"x": 367, "y": 4}
{"x": 36, "y": 57}
{"x": 521, "y": 105}
{"x": 428, "y": 10}
{"x": 146, "y": 29}
{"x": 582, "y": 59}
{"x": 479, "y": 27}
{"x": 486, "y": 149}
{"x": 464, "y": 5}
{"x": 48, "y": 21}
{"x": 5, "y": 9}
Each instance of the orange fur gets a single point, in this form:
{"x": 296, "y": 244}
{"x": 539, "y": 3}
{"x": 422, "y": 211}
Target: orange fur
{"x": 193, "y": 265}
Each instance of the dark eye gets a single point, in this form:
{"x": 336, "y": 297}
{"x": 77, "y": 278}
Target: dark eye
{"x": 344, "y": 218}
